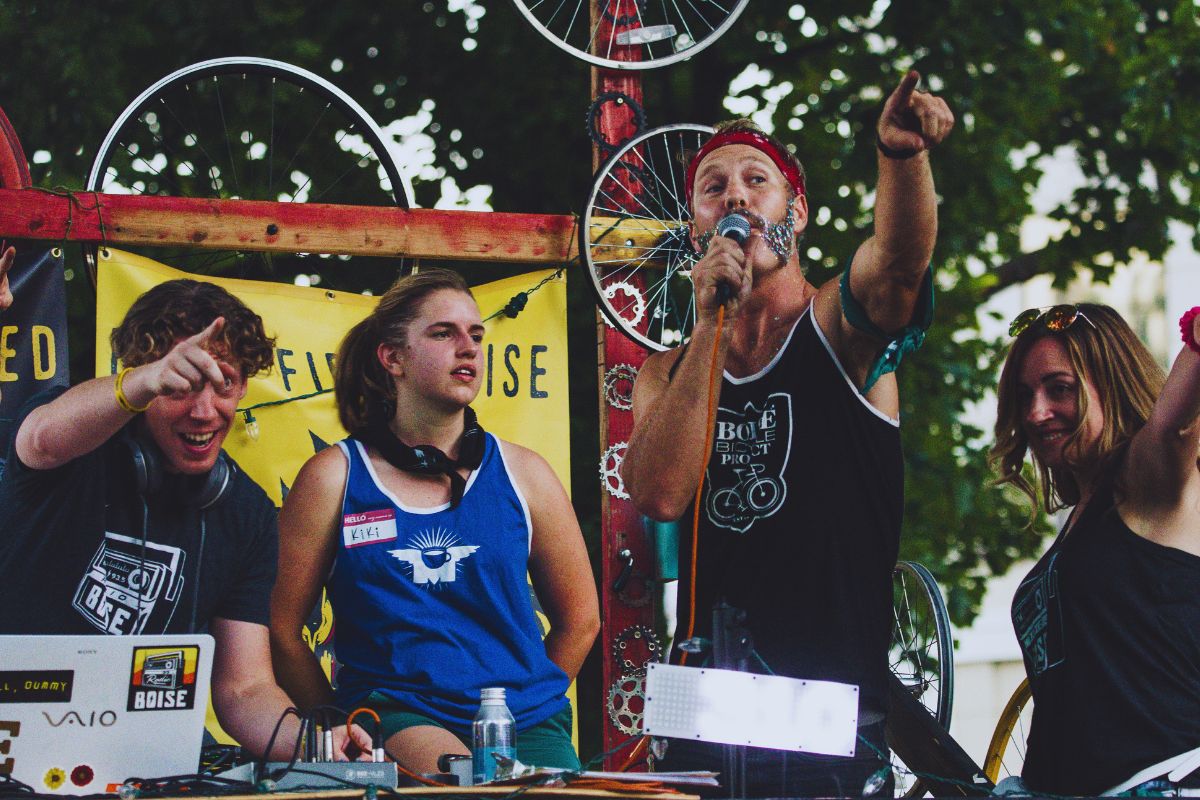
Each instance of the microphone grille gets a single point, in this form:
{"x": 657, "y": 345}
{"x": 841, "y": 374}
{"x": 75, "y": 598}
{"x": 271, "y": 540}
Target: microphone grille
{"x": 734, "y": 226}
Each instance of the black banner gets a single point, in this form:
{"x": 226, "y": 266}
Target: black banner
{"x": 33, "y": 332}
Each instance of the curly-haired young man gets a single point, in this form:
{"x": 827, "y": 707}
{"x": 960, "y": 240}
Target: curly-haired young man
{"x": 123, "y": 516}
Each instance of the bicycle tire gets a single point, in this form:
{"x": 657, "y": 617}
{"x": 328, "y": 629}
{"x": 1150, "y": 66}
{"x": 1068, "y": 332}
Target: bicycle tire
{"x": 391, "y": 184}
{"x": 928, "y": 631}
{"x": 682, "y": 46}
{"x": 635, "y": 217}
{"x": 1009, "y": 725}
{"x": 14, "y": 169}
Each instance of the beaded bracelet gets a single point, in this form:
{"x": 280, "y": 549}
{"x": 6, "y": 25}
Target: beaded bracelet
{"x": 119, "y": 391}
{"x": 1185, "y": 328}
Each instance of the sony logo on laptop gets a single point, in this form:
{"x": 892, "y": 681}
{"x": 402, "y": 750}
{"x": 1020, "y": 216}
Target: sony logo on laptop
{"x": 105, "y": 719}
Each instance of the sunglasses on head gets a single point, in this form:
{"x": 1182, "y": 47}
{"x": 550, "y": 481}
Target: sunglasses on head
{"x": 1056, "y": 318}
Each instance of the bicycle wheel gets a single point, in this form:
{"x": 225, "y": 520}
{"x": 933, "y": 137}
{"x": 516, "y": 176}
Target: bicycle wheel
{"x": 634, "y": 237}
{"x": 14, "y": 169}
{"x": 632, "y": 34}
{"x": 922, "y": 652}
{"x": 253, "y": 129}
{"x": 1006, "y": 752}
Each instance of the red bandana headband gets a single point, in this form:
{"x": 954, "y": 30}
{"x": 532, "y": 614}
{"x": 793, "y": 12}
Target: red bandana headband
{"x": 756, "y": 140}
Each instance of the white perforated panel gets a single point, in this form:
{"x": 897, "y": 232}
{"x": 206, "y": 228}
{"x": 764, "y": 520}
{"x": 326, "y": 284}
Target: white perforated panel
{"x": 716, "y": 705}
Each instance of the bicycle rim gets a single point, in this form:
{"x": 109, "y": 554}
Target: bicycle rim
{"x": 922, "y": 651}
{"x": 632, "y": 34}
{"x": 248, "y": 128}
{"x": 634, "y": 237}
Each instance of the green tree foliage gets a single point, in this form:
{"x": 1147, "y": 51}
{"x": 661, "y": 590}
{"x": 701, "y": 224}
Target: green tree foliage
{"x": 1116, "y": 81}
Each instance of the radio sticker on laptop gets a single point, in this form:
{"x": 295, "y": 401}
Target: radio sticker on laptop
{"x": 163, "y": 678}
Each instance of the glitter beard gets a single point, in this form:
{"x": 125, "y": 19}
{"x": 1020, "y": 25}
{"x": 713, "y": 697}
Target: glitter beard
{"x": 780, "y": 237}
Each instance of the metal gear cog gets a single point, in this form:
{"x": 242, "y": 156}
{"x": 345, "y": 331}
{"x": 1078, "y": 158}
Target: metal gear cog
{"x": 626, "y": 703}
{"x": 635, "y": 648}
{"x": 613, "y": 392}
{"x": 637, "y": 305}
{"x": 610, "y": 470}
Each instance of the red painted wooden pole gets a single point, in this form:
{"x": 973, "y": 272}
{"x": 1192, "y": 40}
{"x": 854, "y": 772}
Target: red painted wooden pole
{"x": 632, "y": 607}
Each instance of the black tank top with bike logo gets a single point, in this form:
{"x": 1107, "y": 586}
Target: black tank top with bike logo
{"x": 800, "y": 518}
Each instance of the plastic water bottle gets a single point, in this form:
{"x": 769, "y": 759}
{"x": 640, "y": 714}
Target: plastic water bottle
{"x": 493, "y": 732}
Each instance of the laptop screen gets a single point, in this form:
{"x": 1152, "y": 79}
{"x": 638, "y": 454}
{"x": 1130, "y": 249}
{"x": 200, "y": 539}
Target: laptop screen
{"x": 80, "y": 714}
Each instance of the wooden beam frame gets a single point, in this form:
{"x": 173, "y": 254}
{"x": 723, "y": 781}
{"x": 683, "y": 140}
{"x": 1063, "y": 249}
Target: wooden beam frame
{"x": 286, "y": 227}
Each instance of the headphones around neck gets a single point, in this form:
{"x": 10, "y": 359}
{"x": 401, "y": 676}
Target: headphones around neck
{"x": 149, "y": 469}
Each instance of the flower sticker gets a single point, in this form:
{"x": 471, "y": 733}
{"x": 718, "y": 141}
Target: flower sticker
{"x": 82, "y": 775}
{"x": 55, "y": 778}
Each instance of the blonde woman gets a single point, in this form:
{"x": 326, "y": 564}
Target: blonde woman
{"x": 1109, "y": 618}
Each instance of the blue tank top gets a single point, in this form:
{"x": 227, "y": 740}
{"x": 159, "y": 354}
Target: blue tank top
{"x": 433, "y": 604}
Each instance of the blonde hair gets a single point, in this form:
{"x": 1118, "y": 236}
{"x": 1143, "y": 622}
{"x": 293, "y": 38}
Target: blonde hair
{"x": 1127, "y": 379}
{"x": 364, "y": 390}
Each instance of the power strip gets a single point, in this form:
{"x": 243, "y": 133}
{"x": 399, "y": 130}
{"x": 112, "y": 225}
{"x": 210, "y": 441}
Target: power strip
{"x": 321, "y": 774}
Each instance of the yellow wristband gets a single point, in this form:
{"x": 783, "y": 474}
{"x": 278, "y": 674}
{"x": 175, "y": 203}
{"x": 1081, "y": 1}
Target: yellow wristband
{"x": 119, "y": 391}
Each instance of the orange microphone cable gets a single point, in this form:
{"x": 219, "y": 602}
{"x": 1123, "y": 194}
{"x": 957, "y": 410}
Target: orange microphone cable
{"x": 708, "y": 443}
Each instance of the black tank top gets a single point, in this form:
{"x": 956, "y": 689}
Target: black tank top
{"x": 800, "y": 519}
{"x": 1109, "y": 625}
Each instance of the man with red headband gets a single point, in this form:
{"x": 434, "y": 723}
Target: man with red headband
{"x": 802, "y": 496}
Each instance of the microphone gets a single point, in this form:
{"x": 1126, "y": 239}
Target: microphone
{"x": 736, "y": 227}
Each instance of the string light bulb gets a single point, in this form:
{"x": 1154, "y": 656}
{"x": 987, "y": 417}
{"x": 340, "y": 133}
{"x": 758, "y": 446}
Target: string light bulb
{"x": 877, "y": 781}
{"x": 251, "y": 426}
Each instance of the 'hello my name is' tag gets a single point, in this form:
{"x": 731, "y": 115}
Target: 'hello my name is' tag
{"x": 368, "y": 527}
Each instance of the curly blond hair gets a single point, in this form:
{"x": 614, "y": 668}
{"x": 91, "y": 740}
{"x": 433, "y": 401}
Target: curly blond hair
{"x": 177, "y": 309}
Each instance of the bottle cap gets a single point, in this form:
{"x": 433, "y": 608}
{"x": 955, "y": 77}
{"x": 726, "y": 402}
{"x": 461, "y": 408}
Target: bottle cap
{"x": 492, "y": 693}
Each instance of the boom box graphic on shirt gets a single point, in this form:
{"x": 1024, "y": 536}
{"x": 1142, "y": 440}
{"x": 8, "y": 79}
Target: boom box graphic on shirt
{"x": 127, "y": 582}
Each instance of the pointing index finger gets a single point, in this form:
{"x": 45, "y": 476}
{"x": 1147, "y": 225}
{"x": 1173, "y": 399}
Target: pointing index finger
{"x": 908, "y": 85}
{"x": 202, "y": 338}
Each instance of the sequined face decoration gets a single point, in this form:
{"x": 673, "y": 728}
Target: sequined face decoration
{"x": 780, "y": 237}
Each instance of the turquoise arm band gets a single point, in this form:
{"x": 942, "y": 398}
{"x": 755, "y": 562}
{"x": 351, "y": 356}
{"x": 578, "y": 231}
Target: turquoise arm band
{"x": 899, "y": 344}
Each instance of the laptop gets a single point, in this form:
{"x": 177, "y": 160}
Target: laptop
{"x": 80, "y": 714}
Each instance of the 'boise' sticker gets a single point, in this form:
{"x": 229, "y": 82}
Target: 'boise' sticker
{"x": 163, "y": 678}
{"x": 368, "y": 527}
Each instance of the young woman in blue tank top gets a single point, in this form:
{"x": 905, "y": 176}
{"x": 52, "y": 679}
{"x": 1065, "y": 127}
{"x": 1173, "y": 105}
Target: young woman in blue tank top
{"x": 422, "y": 528}
{"x": 1108, "y": 620}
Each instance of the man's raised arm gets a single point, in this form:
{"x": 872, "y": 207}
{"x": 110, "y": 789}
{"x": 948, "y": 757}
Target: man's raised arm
{"x": 889, "y": 267}
{"x": 8, "y": 254}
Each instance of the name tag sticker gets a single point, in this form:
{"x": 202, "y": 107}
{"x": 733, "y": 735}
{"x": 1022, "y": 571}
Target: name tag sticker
{"x": 369, "y": 527}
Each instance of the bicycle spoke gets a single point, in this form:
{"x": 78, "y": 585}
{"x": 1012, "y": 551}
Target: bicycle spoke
{"x": 172, "y": 152}
{"x": 288, "y": 169}
{"x": 362, "y": 160}
{"x": 225, "y": 127}
{"x": 673, "y": 30}
{"x": 186, "y": 129}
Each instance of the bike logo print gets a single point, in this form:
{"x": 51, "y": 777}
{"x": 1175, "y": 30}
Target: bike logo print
{"x": 750, "y": 453}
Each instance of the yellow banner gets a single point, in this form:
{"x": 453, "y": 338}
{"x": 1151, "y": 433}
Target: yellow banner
{"x": 524, "y": 396}
{"x": 289, "y": 413}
